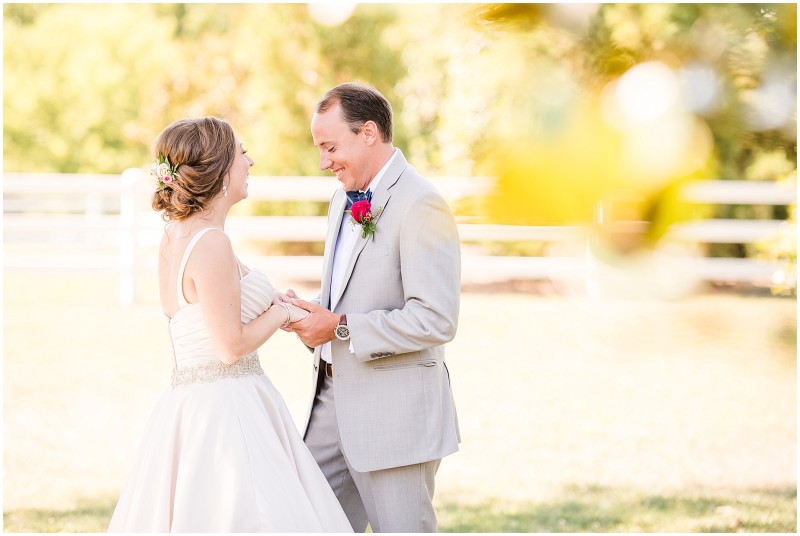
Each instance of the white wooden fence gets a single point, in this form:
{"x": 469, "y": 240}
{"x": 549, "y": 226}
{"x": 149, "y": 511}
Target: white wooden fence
{"x": 103, "y": 222}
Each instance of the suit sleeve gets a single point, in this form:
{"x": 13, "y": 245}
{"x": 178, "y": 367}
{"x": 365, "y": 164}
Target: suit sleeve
{"x": 430, "y": 265}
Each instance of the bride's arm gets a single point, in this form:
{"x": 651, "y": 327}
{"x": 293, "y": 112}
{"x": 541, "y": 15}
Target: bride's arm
{"x": 213, "y": 271}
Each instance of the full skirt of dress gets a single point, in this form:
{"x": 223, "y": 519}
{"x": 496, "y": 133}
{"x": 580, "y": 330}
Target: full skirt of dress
{"x": 225, "y": 456}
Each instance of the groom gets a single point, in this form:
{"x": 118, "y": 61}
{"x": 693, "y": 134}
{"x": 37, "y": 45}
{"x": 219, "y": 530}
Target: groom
{"x": 383, "y": 414}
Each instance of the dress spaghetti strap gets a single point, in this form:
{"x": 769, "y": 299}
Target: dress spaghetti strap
{"x": 182, "y": 302}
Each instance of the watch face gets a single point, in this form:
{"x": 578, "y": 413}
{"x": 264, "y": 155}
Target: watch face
{"x": 342, "y": 332}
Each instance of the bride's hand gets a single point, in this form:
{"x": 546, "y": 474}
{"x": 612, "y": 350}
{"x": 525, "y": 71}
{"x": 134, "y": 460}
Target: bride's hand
{"x": 291, "y": 294}
{"x": 281, "y": 297}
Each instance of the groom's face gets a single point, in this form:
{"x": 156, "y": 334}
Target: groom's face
{"x": 340, "y": 149}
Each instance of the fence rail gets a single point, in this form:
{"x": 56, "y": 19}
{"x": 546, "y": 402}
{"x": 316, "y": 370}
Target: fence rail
{"x": 72, "y": 217}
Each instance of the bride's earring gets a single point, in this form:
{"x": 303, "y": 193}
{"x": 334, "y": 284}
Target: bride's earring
{"x": 224, "y": 191}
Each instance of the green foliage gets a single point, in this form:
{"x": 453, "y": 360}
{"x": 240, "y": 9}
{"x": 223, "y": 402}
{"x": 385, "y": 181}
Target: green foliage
{"x": 88, "y": 88}
{"x": 745, "y": 44}
{"x": 563, "y": 142}
{"x": 781, "y": 247}
{"x": 515, "y": 90}
{"x": 70, "y": 108}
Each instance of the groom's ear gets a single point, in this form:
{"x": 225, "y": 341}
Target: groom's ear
{"x": 370, "y": 132}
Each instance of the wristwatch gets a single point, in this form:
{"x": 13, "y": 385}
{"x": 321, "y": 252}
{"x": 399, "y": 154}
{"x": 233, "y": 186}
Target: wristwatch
{"x": 341, "y": 331}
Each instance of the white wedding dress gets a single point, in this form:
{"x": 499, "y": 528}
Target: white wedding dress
{"x": 220, "y": 451}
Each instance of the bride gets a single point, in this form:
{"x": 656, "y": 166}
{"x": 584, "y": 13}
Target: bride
{"x": 220, "y": 452}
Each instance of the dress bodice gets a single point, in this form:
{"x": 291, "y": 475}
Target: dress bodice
{"x": 188, "y": 331}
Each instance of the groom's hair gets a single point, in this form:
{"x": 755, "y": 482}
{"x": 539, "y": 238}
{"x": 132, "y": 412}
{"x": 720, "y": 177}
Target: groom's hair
{"x": 360, "y": 103}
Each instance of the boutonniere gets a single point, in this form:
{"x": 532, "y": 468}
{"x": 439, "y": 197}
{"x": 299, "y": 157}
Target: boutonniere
{"x": 361, "y": 212}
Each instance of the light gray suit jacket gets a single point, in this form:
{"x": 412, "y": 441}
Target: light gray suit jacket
{"x": 394, "y": 404}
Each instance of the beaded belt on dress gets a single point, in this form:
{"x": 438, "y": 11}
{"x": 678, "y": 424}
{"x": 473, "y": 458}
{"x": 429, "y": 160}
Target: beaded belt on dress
{"x": 212, "y": 372}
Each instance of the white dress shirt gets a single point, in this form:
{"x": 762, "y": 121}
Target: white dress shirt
{"x": 349, "y": 232}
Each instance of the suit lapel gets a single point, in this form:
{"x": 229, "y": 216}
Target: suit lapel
{"x": 338, "y": 204}
{"x": 380, "y": 199}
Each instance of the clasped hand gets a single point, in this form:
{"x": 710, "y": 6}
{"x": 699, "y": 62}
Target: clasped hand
{"x": 295, "y": 313}
{"x": 315, "y": 328}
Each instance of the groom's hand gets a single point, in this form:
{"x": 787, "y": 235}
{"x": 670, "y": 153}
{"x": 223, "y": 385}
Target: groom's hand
{"x": 317, "y": 328}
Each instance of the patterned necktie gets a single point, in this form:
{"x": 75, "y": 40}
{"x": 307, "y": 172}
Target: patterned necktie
{"x": 356, "y": 195}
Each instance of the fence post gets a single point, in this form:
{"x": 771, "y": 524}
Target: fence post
{"x": 128, "y": 239}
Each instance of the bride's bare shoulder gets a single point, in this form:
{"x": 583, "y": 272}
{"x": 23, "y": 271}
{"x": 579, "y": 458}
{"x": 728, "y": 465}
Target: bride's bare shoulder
{"x": 214, "y": 241}
{"x": 214, "y": 251}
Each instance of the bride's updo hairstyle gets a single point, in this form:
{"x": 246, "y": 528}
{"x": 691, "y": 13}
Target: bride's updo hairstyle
{"x": 203, "y": 151}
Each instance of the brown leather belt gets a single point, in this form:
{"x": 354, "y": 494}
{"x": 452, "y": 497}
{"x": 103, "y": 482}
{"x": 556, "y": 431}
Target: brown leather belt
{"x": 328, "y": 370}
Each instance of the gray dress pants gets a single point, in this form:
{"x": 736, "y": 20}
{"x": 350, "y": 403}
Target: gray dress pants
{"x": 398, "y": 499}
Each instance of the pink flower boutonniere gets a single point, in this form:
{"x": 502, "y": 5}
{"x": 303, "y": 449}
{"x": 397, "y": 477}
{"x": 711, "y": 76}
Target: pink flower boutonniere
{"x": 362, "y": 214}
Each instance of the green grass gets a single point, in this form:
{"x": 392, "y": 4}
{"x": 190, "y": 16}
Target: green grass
{"x": 610, "y": 510}
{"x": 575, "y": 415}
{"x": 88, "y": 516}
{"x": 592, "y": 510}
